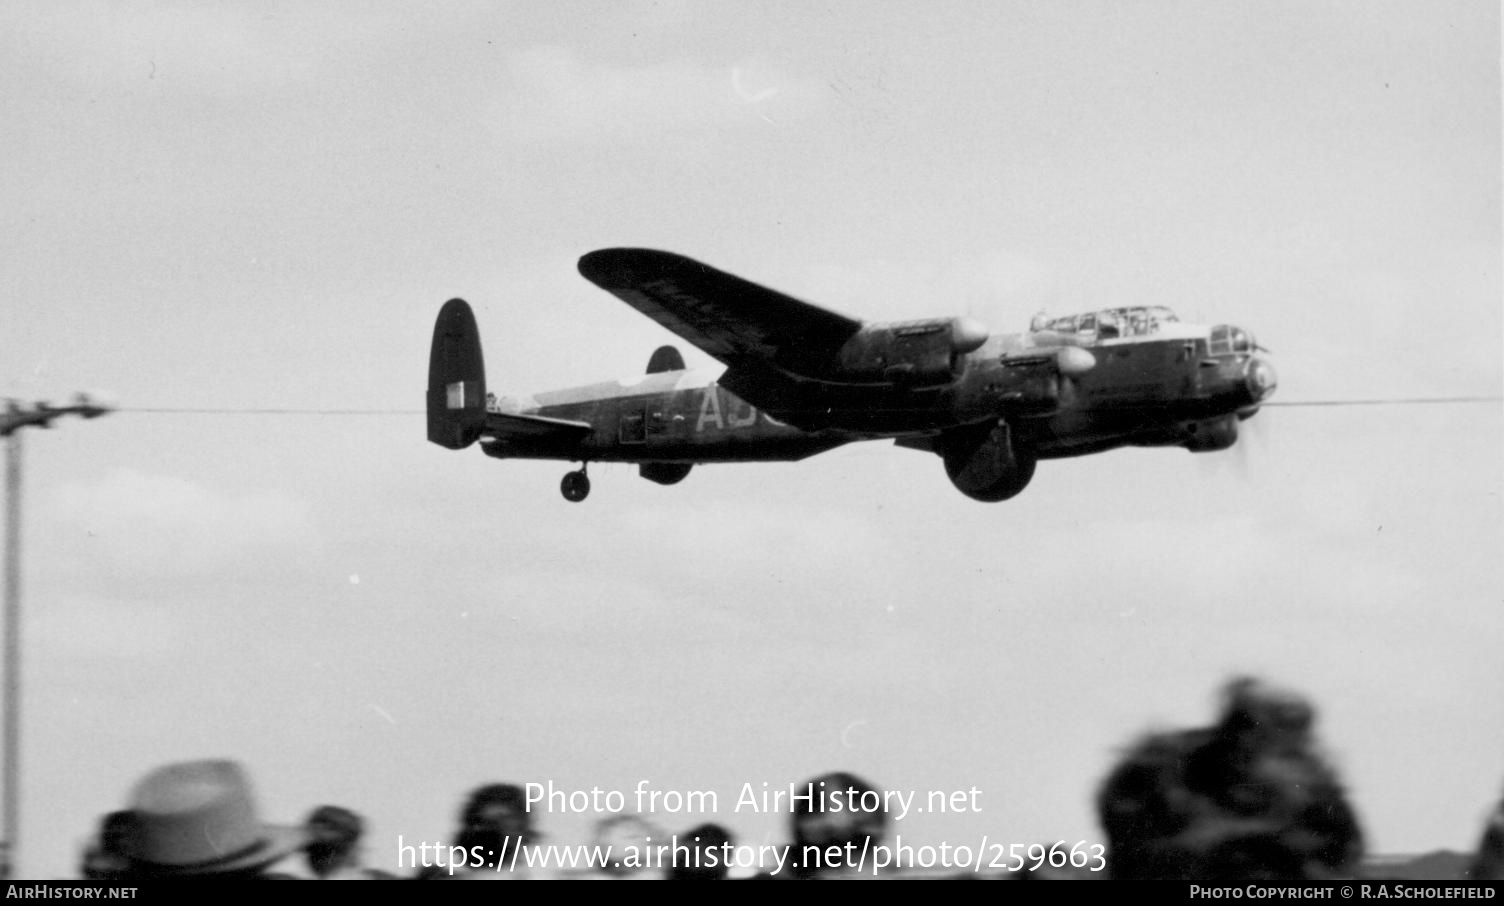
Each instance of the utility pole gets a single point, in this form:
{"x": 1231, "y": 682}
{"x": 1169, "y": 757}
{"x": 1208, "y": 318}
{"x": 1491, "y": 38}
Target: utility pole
{"x": 14, "y": 416}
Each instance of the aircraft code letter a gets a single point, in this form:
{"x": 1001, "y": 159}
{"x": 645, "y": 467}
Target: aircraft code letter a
{"x": 710, "y": 408}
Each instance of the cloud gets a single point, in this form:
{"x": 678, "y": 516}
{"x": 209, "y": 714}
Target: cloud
{"x": 555, "y": 97}
{"x": 163, "y": 526}
{"x": 201, "y": 48}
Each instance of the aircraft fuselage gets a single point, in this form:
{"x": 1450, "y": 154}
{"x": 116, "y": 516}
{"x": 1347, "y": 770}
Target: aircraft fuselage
{"x": 800, "y": 380}
{"x": 673, "y": 416}
{"x": 1143, "y": 392}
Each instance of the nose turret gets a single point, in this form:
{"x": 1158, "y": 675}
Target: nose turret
{"x": 1259, "y": 379}
{"x": 1259, "y": 383}
{"x": 1235, "y": 372}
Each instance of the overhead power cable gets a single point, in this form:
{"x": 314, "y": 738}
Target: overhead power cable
{"x": 251, "y": 410}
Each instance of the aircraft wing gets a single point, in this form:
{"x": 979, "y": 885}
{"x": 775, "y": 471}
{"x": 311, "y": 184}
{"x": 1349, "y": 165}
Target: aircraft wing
{"x": 734, "y": 320}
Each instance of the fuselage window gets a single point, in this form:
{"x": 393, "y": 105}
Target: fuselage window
{"x": 631, "y": 428}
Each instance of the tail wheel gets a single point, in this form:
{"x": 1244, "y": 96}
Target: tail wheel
{"x": 575, "y": 486}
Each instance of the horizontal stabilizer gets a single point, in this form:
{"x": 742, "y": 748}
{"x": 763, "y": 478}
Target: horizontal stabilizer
{"x": 512, "y": 425}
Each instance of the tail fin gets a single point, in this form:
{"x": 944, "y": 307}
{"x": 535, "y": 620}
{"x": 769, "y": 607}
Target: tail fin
{"x": 456, "y": 378}
{"x": 665, "y": 358}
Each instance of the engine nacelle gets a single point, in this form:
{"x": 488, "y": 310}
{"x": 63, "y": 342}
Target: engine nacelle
{"x": 1212, "y": 435}
{"x": 920, "y": 353}
{"x": 664, "y": 472}
{"x": 984, "y": 463}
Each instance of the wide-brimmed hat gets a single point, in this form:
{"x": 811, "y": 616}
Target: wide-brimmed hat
{"x": 199, "y": 818}
{"x": 331, "y": 823}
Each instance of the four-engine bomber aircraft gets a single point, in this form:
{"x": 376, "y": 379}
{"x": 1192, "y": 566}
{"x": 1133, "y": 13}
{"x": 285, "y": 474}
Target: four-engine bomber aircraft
{"x": 800, "y": 380}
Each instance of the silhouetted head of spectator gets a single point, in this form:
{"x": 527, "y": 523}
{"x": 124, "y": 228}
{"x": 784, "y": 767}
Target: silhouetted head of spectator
{"x": 1247, "y": 799}
{"x": 840, "y": 809}
{"x": 709, "y": 848}
{"x": 105, "y": 856}
{"x": 1488, "y": 864}
{"x": 333, "y": 839}
{"x": 495, "y": 818}
{"x": 197, "y": 820}
{"x": 630, "y": 838}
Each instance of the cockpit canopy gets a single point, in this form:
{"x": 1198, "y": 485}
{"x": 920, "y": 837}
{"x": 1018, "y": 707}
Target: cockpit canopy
{"x": 1109, "y": 323}
{"x": 1226, "y": 339}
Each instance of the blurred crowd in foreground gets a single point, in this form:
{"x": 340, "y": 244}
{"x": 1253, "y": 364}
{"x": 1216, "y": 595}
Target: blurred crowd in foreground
{"x": 1249, "y": 798}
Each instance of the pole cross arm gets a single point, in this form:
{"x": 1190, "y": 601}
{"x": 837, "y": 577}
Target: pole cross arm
{"x": 17, "y": 415}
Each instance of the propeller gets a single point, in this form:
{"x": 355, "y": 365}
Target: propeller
{"x": 1072, "y": 362}
{"x": 1252, "y": 433}
{"x": 967, "y": 334}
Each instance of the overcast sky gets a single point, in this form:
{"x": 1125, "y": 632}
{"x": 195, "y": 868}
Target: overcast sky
{"x": 262, "y": 205}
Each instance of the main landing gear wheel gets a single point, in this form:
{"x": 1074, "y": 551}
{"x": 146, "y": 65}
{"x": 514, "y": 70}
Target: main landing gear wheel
{"x": 575, "y": 486}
